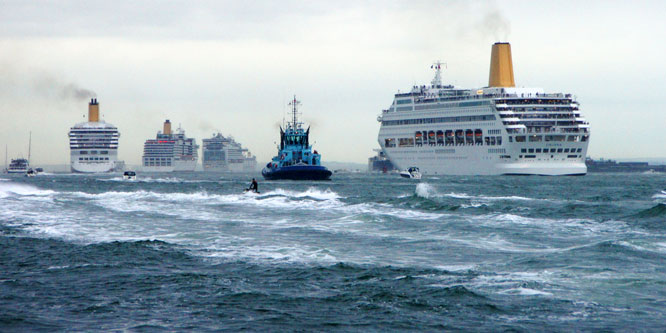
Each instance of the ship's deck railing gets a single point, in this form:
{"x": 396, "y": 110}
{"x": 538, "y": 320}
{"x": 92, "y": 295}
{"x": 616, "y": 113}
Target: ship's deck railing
{"x": 544, "y": 129}
{"x": 529, "y": 97}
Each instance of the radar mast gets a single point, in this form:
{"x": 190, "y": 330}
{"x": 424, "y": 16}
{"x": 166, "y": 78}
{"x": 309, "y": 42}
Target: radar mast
{"x": 437, "y": 80}
{"x": 294, "y": 112}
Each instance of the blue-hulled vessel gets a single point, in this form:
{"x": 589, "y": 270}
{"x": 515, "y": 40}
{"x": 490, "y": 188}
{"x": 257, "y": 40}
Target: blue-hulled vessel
{"x": 295, "y": 159}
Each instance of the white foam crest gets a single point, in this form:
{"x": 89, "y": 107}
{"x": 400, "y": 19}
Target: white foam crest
{"x": 525, "y": 292}
{"x": 311, "y": 199}
{"x": 141, "y": 179}
{"x": 661, "y": 196}
{"x": 388, "y": 210}
{"x": 147, "y": 200}
{"x": 585, "y": 226}
{"x": 496, "y": 243}
{"x": 488, "y": 198}
{"x": 456, "y": 268}
{"x": 13, "y": 189}
{"x": 512, "y": 282}
{"x": 309, "y": 193}
{"x": 645, "y": 247}
{"x": 289, "y": 253}
{"x": 425, "y": 190}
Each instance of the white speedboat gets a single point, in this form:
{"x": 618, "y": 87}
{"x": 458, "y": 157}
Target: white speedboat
{"x": 30, "y": 173}
{"x": 129, "y": 175}
{"x": 412, "y": 173}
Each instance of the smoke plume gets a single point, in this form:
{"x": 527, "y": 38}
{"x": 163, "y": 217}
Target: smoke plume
{"x": 496, "y": 24}
{"x": 49, "y": 86}
{"x": 72, "y": 91}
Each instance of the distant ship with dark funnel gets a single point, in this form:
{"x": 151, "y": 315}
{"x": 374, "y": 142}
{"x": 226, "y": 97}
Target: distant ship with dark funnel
{"x": 295, "y": 159}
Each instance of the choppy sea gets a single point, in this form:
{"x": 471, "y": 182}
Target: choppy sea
{"x": 359, "y": 253}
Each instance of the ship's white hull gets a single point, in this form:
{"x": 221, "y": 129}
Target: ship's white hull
{"x": 101, "y": 167}
{"x": 237, "y": 167}
{"x": 79, "y": 163}
{"x": 17, "y": 170}
{"x": 176, "y": 166}
{"x": 475, "y": 160}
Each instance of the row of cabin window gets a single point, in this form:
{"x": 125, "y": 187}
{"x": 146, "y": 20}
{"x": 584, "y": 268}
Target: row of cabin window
{"x": 552, "y": 150}
{"x": 549, "y": 138}
{"x": 157, "y": 161}
{"x": 446, "y": 138}
{"x": 93, "y": 152}
{"x": 534, "y": 156}
{"x": 93, "y": 159}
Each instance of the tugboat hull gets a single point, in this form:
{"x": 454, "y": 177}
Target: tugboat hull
{"x": 297, "y": 172}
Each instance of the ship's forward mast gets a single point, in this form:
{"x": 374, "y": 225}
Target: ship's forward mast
{"x": 437, "y": 80}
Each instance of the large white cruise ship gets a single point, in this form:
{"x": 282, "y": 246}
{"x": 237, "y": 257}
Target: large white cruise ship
{"x": 225, "y": 154}
{"x": 494, "y": 130}
{"x": 170, "y": 151}
{"x": 93, "y": 144}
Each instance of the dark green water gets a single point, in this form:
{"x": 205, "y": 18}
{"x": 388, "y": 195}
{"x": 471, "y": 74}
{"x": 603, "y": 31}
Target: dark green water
{"x": 358, "y": 253}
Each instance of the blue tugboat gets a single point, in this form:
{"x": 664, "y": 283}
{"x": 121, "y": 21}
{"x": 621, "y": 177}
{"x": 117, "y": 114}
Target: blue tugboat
{"x": 295, "y": 159}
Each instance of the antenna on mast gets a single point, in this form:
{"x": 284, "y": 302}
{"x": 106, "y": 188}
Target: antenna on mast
{"x": 437, "y": 80}
{"x": 294, "y": 111}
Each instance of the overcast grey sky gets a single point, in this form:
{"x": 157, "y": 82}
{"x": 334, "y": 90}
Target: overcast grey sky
{"x": 232, "y": 66}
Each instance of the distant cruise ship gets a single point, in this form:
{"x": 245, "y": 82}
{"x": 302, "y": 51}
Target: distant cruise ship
{"x": 170, "y": 151}
{"x": 93, "y": 144}
{"x": 494, "y": 130}
{"x": 225, "y": 154}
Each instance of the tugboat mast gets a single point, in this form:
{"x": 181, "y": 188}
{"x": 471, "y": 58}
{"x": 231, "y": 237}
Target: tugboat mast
{"x": 294, "y": 111}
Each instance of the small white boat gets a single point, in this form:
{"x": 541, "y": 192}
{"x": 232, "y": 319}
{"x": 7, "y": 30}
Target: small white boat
{"x": 412, "y": 173}
{"x": 30, "y": 173}
{"x": 129, "y": 175}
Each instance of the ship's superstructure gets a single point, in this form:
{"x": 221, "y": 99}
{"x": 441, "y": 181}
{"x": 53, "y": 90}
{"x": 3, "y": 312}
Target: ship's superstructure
{"x": 170, "y": 151}
{"x": 18, "y": 165}
{"x": 225, "y": 154}
{"x": 499, "y": 129}
{"x": 93, "y": 144}
{"x": 380, "y": 162}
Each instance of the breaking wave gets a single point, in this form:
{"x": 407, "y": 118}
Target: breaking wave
{"x": 14, "y": 189}
{"x": 656, "y": 211}
{"x": 140, "y": 179}
{"x": 425, "y": 190}
{"x": 661, "y": 195}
